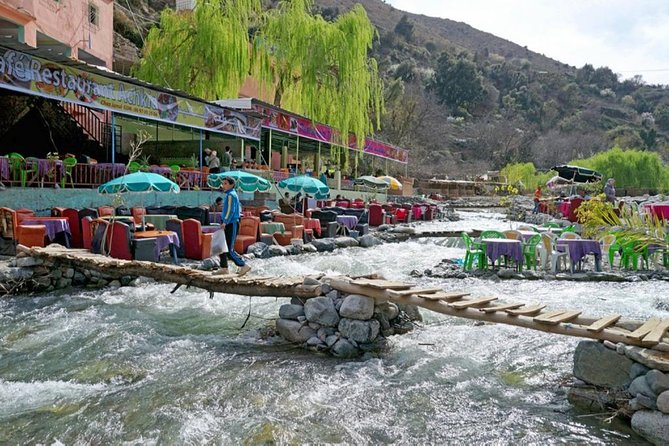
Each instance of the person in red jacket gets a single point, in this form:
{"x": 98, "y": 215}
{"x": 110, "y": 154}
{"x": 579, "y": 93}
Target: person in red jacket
{"x": 537, "y": 199}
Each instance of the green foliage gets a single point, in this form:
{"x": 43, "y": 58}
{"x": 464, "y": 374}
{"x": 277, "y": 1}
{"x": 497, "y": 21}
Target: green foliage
{"x": 405, "y": 28}
{"x": 630, "y": 168}
{"x": 321, "y": 69}
{"x": 457, "y": 83}
{"x": 661, "y": 116}
{"x": 314, "y": 67}
{"x": 526, "y": 174}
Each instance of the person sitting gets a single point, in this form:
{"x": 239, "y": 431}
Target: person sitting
{"x": 217, "y": 206}
{"x": 285, "y": 204}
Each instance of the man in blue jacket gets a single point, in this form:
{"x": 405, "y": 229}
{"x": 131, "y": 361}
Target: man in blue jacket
{"x": 232, "y": 210}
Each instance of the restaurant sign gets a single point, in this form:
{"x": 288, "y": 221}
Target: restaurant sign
{"x": 299, "y": 126}
{"x": 34, "y": 75}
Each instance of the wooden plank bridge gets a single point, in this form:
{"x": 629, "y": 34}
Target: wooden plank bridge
{"x": 650, "y": 334}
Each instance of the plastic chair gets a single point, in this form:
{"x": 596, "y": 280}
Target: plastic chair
{"x": 247, "y": 234}
{"x": 530, "y": 251}
{"x": 106, "y": 211}
{"x": 31, "y": 235}
{"x": 16, "y": 166}
{"x": 513, "y": 235}
{"x": 606, "y": 243}
{"x": 473, "y": 250}
{"x": 134, "y": 167}
{"x": 570, "y": 236}
{"x": 30, "y": 171}
{"x": 492, "y": 234}
{"x": 548, "y": 253}
{"x": 68, "y": 170}
{"x": 550, "y": 225}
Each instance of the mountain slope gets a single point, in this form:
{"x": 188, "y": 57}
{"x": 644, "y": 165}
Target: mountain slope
{"x": 518, "y": 105}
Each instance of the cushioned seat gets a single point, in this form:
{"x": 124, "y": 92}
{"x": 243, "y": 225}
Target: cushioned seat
{"x": 31, "y": 235}
{"x": 248, "y": 233}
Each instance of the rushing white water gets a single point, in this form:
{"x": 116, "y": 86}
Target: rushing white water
{"x": 142, "y": 366}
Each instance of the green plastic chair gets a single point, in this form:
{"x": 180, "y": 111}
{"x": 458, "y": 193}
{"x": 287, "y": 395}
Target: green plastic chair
{"x": 473, "y": 250}
{"x": 632, "y": 252}
{"x": 16, "y": 165}
{"x": 29, "y": 172}
{"x": 550, "y": 225}
{"x": 175, "y": 173}
{"x": 570, "y": 228}
{"x": 134, "y": 167}
{"x": 68, "y": 166}
{"x": 492, "y": 234}
{"x": 530, "y": 251}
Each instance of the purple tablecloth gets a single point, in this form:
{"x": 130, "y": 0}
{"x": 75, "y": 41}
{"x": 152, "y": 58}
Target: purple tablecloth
{"x": 527, "y": 234}
{"x": 215, "y": 217}
{"x": 4, "y": 168}
{"x": 350, "y": 221}
{"x": 496, "y": 247}
{"x": 579, "y": 248}
{"x": 53, "y": 225}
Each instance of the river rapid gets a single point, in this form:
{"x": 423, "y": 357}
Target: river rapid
{"x": 138, "y": 365}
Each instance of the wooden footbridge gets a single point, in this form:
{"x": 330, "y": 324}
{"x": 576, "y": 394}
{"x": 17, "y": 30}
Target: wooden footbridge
{"x": 651, "y": 333}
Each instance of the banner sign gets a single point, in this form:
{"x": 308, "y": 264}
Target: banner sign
{"x": 299, "y": 126}
{"x": 34, "y": 75}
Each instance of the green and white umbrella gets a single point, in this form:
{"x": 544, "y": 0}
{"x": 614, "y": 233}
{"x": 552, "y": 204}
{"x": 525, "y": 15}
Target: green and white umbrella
{"x": 307, "y": 185}
{"x": 139, "y": 182}
{"x": 244, "y": 181}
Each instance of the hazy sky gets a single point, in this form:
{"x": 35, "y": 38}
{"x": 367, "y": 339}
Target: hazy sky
{"x": 629, "y": 36}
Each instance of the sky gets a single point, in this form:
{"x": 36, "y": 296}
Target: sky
{"x": 629, "y": 36}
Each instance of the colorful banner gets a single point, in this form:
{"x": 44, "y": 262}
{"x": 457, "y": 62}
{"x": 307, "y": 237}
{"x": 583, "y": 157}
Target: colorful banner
{"x": 33, "y": 75}
{"x": 299, "y": 126}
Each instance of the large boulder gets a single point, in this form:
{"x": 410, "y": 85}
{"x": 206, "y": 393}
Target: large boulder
{"x": 663, "y": 402}
{"x": 344, "y": 349}
{"x": 345, "y": 242}
{"x": 359, "y": 331}
{"x": 321, "y": 310}
{"x": 598, "y": 365}
{"x": 652, "y": 425}
{"x": 294, "y": 331}
{"x": 356, "y": 306}
{"x": 259, "y": 249}
{"x": 324, "y": 244}
{"x": 276, "y": 251}
{"x": 640, "y": 387}
{"x": 368, "y": 240}
{"x": 658, "y": 381}
{"x": 291, "y": 311}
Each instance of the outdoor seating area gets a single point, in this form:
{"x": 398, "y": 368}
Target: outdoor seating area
{"x": 556, "y": 249}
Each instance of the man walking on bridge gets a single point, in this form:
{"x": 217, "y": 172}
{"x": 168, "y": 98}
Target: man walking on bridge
{"x": 232, "y": 210}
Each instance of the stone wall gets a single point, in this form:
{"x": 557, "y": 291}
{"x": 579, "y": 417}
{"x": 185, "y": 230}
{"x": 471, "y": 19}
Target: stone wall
{"x": 630, "y": 381}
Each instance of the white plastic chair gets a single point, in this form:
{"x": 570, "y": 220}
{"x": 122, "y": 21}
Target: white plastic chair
{"x": 513, "y": 235}
{"x": 570, "y": 236}
{"x": 548, "y": 252}
{"x": 605, "y": 243}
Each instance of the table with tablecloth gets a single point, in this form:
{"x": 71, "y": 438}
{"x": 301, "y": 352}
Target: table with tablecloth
{"x": 54, "y": 226}
{"x": 158, "y": 220}
{"x": 4, "y": 167}
{"x": 313, "y": 223}
{"x": 209, "y": 229}
{"x": 579, "y": 248}
{"x": 270, "y": 227}
{"x": 497, "y": 247}
{"x": 349, "y": 221}
{"x": 164, "y": 239}
{"x": 215, "y": 217}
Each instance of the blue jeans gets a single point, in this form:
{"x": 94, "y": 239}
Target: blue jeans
{"x": 536, "y": 207}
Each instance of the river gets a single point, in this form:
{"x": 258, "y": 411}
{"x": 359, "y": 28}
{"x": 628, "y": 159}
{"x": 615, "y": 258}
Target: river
{"x": 139, "y": 365}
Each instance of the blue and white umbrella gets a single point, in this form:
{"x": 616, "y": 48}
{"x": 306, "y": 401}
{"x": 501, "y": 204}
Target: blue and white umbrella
{"x": 307, "y": 185}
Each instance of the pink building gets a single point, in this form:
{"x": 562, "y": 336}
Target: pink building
{"x": 80, "y": 29}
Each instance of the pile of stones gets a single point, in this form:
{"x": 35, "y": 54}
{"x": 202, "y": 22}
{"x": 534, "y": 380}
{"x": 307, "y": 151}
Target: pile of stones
{"x": 346, "y": 326}
{"x": 625, "y": 379}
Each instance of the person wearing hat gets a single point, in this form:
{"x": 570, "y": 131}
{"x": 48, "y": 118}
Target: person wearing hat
{"x": 212, "y": 161}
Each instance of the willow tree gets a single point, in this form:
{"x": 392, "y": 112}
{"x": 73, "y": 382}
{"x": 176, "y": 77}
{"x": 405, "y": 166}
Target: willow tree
{"x": 321, "y": 69}
{"x": 205, "y": 52}
{"x": 313, "y": 67}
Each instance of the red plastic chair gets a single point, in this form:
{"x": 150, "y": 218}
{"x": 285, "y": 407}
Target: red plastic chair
{"x": 105, "y": 211}
{"x": 72, "y": 215}
{"x": 196, "y": 244}
{"x": 118, "y": 240}
{"x": 31, "y": 235}
{"x": 247, "y": 234}
{"x": 376, "y": 214}
{"x": 87, "y": 232}
{"x": 401, "y": 215}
